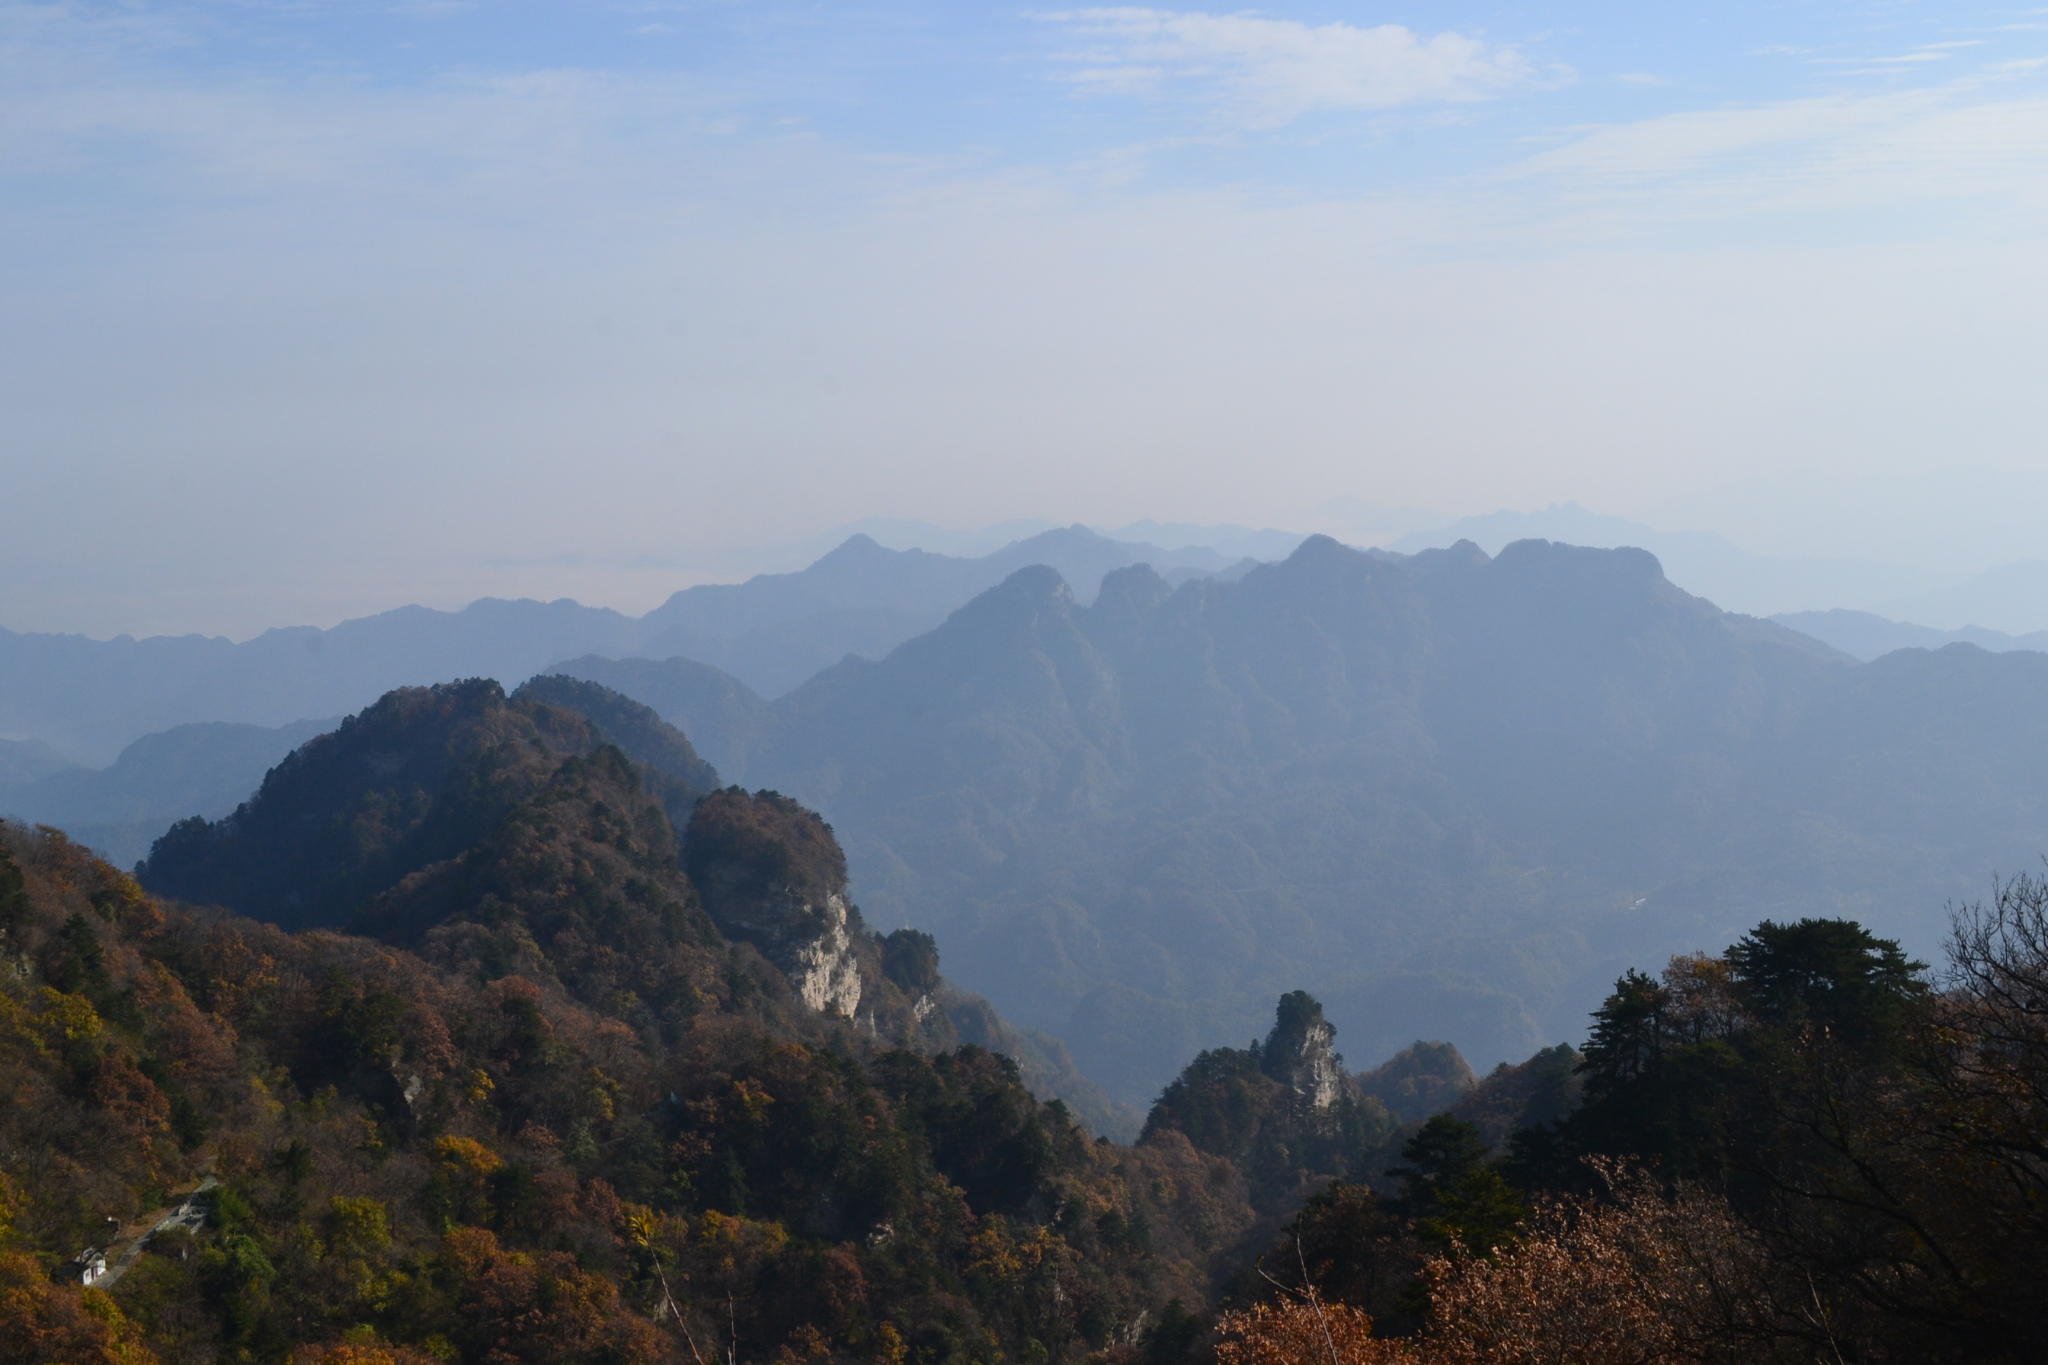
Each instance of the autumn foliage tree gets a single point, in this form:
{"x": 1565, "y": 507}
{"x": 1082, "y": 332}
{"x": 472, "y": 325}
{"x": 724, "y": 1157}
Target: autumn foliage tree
{"x": 41, "y": 1322}
{"x": 1304, "y": 1330}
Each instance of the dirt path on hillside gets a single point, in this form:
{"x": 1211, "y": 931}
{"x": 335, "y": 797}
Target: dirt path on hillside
{"x": 124, "y": 1251}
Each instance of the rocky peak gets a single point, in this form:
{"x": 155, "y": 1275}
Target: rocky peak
{"x": 1300, "y": 1052}
{"x": 771, "y": 874}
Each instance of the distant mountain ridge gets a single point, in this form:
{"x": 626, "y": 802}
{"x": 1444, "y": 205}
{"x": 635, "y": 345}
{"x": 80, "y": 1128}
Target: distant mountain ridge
{"x": 206, "y": 768}
{"x": 774, "y": 631}
{"x": 1701, "y": 562}
{"x": 1227, "y": 542}
{"x": 90, "y": 698}
{"x": 2007, "y": 598}
{"x": 29, "y": 760}
{"x": 1450, "y": 794}
{"x": 1868, "y": 636}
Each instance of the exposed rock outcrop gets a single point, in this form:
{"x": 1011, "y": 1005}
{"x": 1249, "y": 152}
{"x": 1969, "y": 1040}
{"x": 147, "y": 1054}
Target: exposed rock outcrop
{"x": 1300, "y": 1051}
{"x": 1282, "y": 1110}
{"x": 825, "y": 973}
{"x": 771, "y": 874}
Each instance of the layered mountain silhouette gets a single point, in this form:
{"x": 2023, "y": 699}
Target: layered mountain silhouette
{"x": 1867, "y": 635}
{"x": 2006, "y": 597}
{"x": 1450, "y": 794}
{"x": 90, "y": 698}
{"x": 205, "y": 768}
{"x": 23, "y": 761}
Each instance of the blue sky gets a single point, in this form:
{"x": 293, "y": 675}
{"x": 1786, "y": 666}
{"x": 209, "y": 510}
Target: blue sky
{"x": 312, "y": 309}
{"x": 1317, "y": 100}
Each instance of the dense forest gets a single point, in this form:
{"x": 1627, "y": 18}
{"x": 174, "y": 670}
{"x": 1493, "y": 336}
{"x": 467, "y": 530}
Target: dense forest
{"x": 573, "y": 1056}
{"x": 553, "y": 1111}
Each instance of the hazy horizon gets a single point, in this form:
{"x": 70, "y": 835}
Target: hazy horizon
{"x": 316, "y": 310}
{"x": 651, "y": 581}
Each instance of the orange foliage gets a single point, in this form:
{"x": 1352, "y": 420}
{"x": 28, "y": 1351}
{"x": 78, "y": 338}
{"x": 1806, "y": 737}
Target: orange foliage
{"x": 124, "y": 1096}
{"x": 41, "y": 1321}
{"x": 543, "y": 1309}
{"x": 346, "y": 1353}
{"x": 1305, "y": 1331}
{"x": 1635, "y": 1279}
{"x": 467, "y": 1154}
{"x": 1642, "y": 1278}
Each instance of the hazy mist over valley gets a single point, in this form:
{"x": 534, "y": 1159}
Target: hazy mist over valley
{"x": 1451, "y": 794}
{"x": 925, "y": 684}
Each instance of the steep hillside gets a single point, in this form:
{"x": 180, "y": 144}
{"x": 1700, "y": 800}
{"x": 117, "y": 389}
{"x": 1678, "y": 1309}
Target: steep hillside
{"x": 578, "y": 1125}
{"x": 1450, "y": 794}
{"x": 1283, "y": 1110}
{"x": 539, "y": 834}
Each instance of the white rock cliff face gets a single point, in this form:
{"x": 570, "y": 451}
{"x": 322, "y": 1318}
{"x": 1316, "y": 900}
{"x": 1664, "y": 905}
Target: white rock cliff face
{"x": 825, "y": 974}
{"x": 1321, "y": 1078}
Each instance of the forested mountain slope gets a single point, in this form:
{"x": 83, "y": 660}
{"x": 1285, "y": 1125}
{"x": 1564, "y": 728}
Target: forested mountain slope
{"x": 1449, "y": 794}
{"x": 585, "y": 1093}
{"x": 413, "y": 781}
{"x": 537, "y": 832}
{"x": 592, "y": 1116}
{"x": 572, "y": 1122}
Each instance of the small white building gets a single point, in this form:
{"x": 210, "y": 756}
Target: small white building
{"x": 87, "y": 1267}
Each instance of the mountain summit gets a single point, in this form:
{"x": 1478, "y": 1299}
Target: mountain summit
{"x": 1451, "y": 794}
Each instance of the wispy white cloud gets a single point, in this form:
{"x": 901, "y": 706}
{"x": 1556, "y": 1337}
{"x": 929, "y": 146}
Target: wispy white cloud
{"x": 1266, "y": 72}
{"x": 1919, "y": 56}
{"x": 1977, "y": 145}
